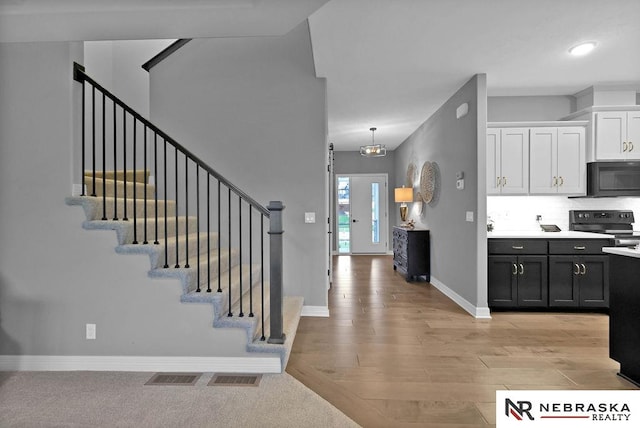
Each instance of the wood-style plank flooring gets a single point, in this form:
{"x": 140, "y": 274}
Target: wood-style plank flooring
{"x": 398, "y": 354}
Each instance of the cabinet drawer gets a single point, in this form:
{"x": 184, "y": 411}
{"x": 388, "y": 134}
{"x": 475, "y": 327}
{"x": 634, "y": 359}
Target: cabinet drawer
{"x": 517, "y": 246}
{"x": 588, "y": 246}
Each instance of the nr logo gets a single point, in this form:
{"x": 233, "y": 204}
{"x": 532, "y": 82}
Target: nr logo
{"x": 518, "y": 409}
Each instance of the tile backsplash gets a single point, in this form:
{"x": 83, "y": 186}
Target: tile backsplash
{"x": 519, "y": 212}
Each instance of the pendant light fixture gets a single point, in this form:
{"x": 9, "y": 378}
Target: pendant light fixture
{"x": 373, "y": 149}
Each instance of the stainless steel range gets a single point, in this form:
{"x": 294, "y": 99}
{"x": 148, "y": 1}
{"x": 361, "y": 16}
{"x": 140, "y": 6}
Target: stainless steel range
{"x": 611, "y": 222}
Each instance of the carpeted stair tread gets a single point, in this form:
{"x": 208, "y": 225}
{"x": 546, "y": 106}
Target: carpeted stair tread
{"x": 141, "y": 175}
{"x": 115, "y": 207}
{"x": 116, "y": 188}
{"x": 208, "y": 244}
{"x": 124, "y": 229}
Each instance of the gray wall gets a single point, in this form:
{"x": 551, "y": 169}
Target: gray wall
{"x": 54, "y": 276}
{"x": 454, "y": 145}
{"x": 530, "y": 108}
{"x": 353, "y": 163}
{"x": 253, "y": 110}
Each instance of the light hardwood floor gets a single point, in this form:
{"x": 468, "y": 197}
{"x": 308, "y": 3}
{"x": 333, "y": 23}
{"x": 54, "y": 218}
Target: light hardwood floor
{"x": 398, "y": 354}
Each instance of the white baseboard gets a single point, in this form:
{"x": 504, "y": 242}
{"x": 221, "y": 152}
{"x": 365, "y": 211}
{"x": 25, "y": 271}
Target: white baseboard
{"x": 315, "y": 311}
{"x": 269, "y": 364}
{"x": 476, "y": 312}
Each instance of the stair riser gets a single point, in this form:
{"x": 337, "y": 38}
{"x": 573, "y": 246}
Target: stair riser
{"x": 119, "y": 212}
{"x": 182, "y": 249}
{"x": 213, "y": 269}
{"x": 171, "y": 228}
{"x": 112, "y": 186}
{"x": 141, "y": 176}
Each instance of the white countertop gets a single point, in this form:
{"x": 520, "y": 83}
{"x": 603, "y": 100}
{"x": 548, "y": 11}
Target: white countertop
{"x": 622, "y": 251}
{"x": 538, "y": 234}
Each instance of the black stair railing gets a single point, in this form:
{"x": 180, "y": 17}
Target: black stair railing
{"x": 194, "y": 206}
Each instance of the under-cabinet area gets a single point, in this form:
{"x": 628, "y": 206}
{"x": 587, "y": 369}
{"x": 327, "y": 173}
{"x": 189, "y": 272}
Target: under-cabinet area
{"x": 548, "y": 273}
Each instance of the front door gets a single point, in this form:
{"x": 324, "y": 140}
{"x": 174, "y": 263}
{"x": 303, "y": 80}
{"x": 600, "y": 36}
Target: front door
{"x": 364, "y": 222}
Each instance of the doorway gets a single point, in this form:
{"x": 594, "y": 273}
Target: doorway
{"x": 361, "y": 202}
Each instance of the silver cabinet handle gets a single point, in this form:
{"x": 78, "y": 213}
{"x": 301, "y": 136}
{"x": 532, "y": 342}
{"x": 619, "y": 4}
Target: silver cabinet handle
{"x": 517, "y": 247}
{"x": 555, "y": 182}
{"x": 577, "y": 271}
{"x": 624, "y": 146}
{"x": 521, "y": 269}
{"x": 497, "y": 181}
{"x": 630, "y": 146}
{"x": 578, "y": 247}
{"x": 584, "y": 269}
{"x": 504, "y": 181}
{"x": 561, "y": 181}
{"x": 515, "y": 269}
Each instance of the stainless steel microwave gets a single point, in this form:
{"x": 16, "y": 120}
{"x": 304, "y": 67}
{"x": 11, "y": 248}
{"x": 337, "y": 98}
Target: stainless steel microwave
{"x": 613, "y": 179}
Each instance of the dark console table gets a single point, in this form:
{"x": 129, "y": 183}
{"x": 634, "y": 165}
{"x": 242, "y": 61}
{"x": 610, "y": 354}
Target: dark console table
{"x": 411, "y": 255}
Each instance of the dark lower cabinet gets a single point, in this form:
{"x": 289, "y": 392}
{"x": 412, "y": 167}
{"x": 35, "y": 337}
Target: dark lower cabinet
{"x": 518, "y": 281}
{"x": 554, "y": 273}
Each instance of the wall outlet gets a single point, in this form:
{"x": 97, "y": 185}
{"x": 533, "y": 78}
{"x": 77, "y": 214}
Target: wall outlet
{"x": 470, "y": 216}
{"x": 91, "y": 331}
{"x": 538, "y": 217}
{"x": 309, "y": 217}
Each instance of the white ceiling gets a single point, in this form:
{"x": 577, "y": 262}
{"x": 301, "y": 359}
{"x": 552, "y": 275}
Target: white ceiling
{"x": 388, "y": 63}
{"x": 392, "y": 63}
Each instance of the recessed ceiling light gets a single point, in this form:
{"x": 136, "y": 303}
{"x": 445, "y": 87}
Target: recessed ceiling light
{"x": 582, "y": 48}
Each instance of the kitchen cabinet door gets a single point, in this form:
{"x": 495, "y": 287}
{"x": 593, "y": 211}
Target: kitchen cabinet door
{"x": 532, "y": 281}
{"x": 502, "y": 274}
{"x": 563, "y": 284}
{"x": 618, "y": 135}
{"x": 514, "y": 160}
{"x": 594, "y": 281}
{"x": 570, "y": 157}
{"x": 557, "y": 160}
{"x": 494, "y": 174}
{"x": 543, "y": 161}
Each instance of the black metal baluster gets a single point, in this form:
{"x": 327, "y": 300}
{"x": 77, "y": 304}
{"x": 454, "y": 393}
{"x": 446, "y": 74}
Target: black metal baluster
{"x": 93, "y": 132}
{"x": 209, "y": 235}
{"x": 186, "y": 212}
{"x": 176, "y": 187}
{"x": 104, "y": 160}
{"x": 83, "y": 180}
{"x": 155, "y": 183}
{"x": 124, "y": 161}
{"x": 146, "y": 179}
{"x": 135, "y": 182}
{"x": 250, "y": 262}
{"x": 166, "y": 248}
{"x": 115, "y": 163}
{"x": 198, "y": 222}
{"x": 240, "y": 245}
{"x": 262, "y": 272}
{"x": 219, "y": 244}
{"x": 229, "y": 218}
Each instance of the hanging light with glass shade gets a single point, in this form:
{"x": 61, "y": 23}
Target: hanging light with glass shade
{"x": 373, "y": 149}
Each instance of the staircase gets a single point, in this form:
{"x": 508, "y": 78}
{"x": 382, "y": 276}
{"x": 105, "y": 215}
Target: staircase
{"x": 219, "y": 262}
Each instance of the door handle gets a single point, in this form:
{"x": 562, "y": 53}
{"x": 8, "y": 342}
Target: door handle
{"x": 561, "y": 181}
{"x": 625, "y": 147}
{"x": 630, "y": 146}
{"x": 497, "y": 181}
{"x": 577, "y": 271}
{"x": 504, "y": 181}
{"x": 555, "y": 182}
{"x": 517, "y": 247}
{"x": 354, "y": 220}
{"x": 584, "y": 269}
{"x": 515, "y": 269}
{"x": 578, "y": 247}
{"x": 521, "y": 269}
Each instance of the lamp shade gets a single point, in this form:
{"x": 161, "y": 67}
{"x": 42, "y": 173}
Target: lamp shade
{"x": 404, "y": 194}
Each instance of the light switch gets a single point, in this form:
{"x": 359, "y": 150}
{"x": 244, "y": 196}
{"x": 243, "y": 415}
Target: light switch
{"x": 470, "y": 216}
{"x": 309, "y": 217}
{"x": 460, "y": 184}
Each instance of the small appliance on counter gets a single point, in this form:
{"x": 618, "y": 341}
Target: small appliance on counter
{"x": 612, "y": 222}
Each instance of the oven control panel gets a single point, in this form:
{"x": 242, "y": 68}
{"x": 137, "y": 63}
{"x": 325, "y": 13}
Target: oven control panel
{"x": 600, "y": 217}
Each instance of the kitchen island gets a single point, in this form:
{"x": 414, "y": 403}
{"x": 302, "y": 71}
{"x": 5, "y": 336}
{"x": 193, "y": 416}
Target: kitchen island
{"x": 624, "y": 311}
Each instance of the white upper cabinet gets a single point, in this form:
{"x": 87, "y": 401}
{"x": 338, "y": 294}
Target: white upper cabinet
{"x": 508, "y": 161}
{"x": 557, "y": 160}
{"x": 617, "y": 135}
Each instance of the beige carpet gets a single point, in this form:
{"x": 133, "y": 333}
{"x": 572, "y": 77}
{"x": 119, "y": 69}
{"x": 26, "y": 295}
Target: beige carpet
{"x": 118, "y": 399}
